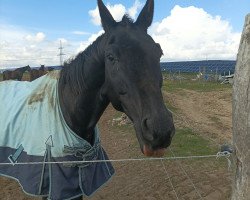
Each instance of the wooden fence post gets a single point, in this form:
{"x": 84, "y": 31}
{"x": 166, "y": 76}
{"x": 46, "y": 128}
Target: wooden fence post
{"x": 241, "y": 117}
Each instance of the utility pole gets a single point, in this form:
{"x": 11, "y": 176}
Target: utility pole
{"x": 61, "y": 53}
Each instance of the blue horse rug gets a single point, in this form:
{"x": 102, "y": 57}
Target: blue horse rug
{"x": 32, "y": 129}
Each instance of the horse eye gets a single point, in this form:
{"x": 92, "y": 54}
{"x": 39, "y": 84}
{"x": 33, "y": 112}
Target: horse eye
{"x": 122, "y": 88}
{"x": 111, "y": 58}
{"x": 122, "y": 93}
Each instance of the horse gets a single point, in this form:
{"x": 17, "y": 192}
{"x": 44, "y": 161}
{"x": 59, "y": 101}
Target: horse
{"x": 121, "y": 67}
{"x": 36, "y": 73}
{"x": 17, "y": 74}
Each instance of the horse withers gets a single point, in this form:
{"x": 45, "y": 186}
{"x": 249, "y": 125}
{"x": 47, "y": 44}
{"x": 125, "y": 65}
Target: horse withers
{"x": 58, "y": 112}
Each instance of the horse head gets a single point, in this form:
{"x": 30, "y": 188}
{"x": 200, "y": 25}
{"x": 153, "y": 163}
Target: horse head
{"x": 133, "y": 78}
{"x": 42, "y": 68}
{"x": 27, "y": 68}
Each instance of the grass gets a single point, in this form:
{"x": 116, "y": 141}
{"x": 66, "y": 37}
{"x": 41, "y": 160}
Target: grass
{"x": 188, "y": 143}
{"x": 175, "y": 86}
{"x": 169, "y": 105}
{"x": 185, "y": 142}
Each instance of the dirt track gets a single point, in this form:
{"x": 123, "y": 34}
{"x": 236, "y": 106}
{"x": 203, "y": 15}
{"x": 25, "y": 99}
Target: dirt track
{"x": 208, "y": 113}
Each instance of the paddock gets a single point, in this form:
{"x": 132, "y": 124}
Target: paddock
{"x": 209, "y": 117}
{"x": 202, "y": 114}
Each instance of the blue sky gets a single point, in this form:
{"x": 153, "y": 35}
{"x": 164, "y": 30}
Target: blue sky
{"x": 44, "y": 22}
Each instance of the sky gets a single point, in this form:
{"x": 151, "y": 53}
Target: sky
{"x": 31, "y": 30}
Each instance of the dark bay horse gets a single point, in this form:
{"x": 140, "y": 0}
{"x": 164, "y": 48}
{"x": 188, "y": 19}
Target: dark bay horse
{"x": 36, "y": 73}
{"x": 121, "y": 67}
{"x": 16, "y": 74}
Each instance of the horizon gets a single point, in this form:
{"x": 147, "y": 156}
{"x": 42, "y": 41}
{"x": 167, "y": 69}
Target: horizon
{"x": 161, "y": 62}
{"x": 186, "y": 30}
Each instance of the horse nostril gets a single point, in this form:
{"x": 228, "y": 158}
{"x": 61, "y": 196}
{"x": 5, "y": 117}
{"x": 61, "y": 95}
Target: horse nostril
{"x": 145, "y": 123}
{"x": 146, "y": 130}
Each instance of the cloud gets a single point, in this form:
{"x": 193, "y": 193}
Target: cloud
{"x": 20, "y": 47}
{"x": 117, "y": 11}
{"x": 80, "y": 33}
{"x": 39, "y": 37}
{"x": 190, "y": 33}
{"x": 133, "y": 11}
{"x": 91, "y": 39}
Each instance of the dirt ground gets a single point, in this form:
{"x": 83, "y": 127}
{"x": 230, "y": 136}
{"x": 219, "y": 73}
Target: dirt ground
{"x": 207, "y": 113}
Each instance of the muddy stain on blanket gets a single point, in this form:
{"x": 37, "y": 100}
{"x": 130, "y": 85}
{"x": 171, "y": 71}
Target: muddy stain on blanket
{"x": 45, "y": 90}
{"x": 54, "y": 74}
{"x": 39, "y": 96}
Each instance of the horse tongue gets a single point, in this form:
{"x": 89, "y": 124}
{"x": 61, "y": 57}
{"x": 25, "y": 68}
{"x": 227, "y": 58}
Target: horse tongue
{"x": 156, "y": 153}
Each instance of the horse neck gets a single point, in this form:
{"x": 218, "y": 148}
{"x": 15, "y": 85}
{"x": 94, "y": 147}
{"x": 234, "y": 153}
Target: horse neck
{"x": 23, "y": 69}
{"x": 80, "y": 90}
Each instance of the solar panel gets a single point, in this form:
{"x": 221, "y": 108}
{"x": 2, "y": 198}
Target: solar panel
{"x": 220, "y": 66}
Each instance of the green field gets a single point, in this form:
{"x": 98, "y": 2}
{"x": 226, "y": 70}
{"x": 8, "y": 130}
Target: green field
{"x": 189, "y": 84}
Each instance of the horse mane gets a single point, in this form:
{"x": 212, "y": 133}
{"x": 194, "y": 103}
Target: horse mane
{"x": 22, "y": 69}
{"x": 127, "y": 20}
{"x": 73, "y": 69}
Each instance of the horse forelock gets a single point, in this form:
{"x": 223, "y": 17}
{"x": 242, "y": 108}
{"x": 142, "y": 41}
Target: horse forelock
{"x": 127, "y": 20}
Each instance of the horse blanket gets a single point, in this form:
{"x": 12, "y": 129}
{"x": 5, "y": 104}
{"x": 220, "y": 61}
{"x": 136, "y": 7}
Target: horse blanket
{"x": 32, "y": 129}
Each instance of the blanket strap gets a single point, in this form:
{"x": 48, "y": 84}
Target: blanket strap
{"x": 47, "y": 157}
{"x": 13, "y": 158}
{"x": 82, "y": 153}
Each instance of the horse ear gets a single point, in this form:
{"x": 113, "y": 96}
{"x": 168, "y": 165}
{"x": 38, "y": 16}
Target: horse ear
{"x": 106, "y": 18}
{"x": 145, "y": 18}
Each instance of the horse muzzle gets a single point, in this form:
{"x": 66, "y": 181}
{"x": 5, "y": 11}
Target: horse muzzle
{"x": 147, "y": 151}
